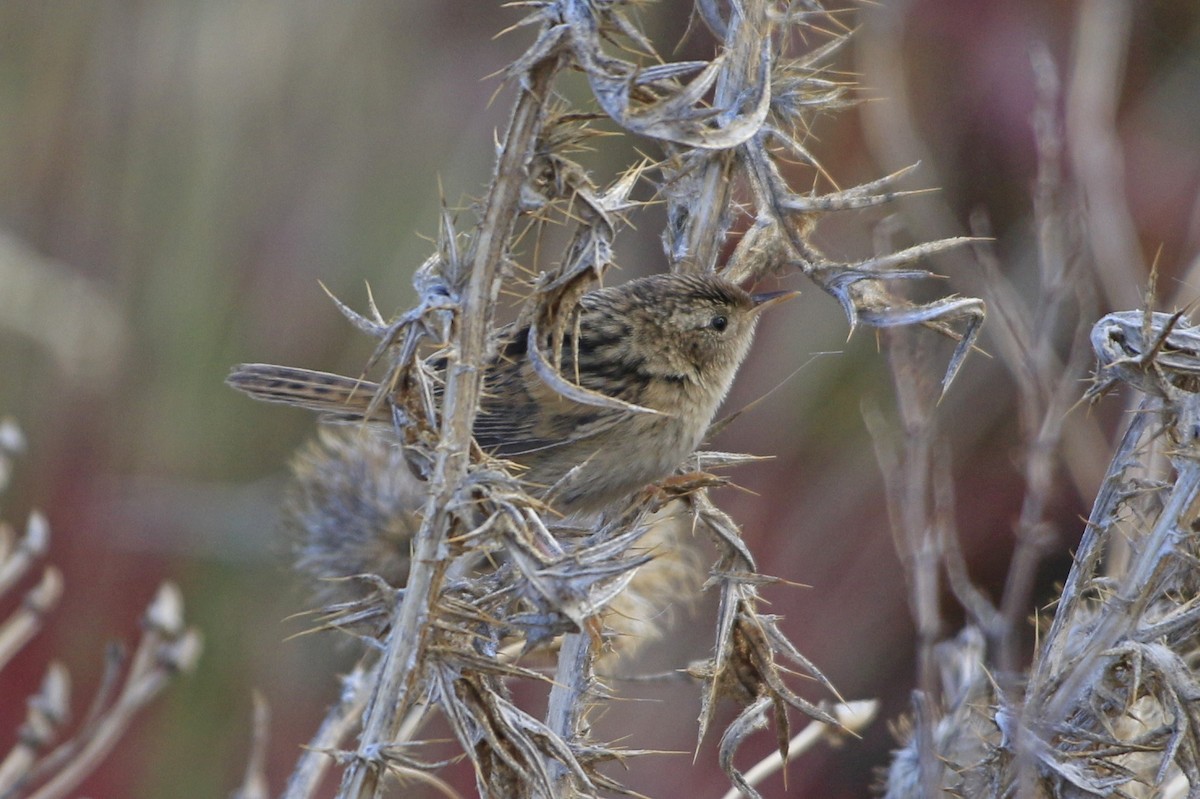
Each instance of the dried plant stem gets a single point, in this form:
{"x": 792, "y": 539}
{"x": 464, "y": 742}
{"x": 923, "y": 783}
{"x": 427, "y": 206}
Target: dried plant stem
{"x": 1135, "y": 590}
{"x": 401, "y": 660}
{"x": 25, "y": 622}
{"x": 1032, "y": 540}
{"x": 1092, "y": 96}
{"x": 1091, "y": 545}
{"x": 166, "y": 648}
{"x": 338, "y": 722}
{"x": 1029, "y": 339}
{"x": 908, "y": 469}
{"x": 47, "y": 713}
{"x": 254, "y": 783}
{"x": 42, "y": 764}
{"x": 709, "y": 211}
{"x": 16, "y": 557}
{"x": 568, "y": 700}
{"x": 852, "y": 716}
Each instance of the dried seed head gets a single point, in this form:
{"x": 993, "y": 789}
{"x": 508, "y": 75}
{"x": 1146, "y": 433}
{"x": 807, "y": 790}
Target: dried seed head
{"x": 351, "y": 510}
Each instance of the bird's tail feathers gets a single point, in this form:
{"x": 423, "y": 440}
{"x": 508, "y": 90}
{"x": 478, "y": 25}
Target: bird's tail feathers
{"x": 341, "y": 399}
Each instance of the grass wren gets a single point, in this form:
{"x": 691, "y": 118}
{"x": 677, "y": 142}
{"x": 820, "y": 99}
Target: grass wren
{"x": 668, "y": 342}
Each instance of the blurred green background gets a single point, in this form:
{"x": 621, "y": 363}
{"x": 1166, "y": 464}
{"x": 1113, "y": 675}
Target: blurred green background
{"x": 175, "y": 179}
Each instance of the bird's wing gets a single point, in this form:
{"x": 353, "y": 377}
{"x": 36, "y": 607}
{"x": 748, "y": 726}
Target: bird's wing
{"x": 521, "y": 415}
{"x": 506, "y": 437}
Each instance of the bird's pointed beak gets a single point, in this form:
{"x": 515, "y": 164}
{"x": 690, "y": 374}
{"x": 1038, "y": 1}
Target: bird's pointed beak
{"x": 764, "y": 301}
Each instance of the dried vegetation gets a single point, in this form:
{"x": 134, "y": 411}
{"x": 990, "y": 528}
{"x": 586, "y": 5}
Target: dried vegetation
{"x": 1108, "y": 705}
{"x": 495, "y": 581}
{"x": 54, "y": 753}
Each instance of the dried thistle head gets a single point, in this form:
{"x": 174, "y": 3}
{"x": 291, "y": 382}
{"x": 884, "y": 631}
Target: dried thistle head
{"x": 352, "y": 509}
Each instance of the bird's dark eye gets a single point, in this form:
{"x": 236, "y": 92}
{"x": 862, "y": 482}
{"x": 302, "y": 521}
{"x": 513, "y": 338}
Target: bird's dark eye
{"x": 719, "y": 323}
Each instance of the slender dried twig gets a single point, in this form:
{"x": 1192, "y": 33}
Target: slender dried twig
{"x": 852, "y": 716}
{"x": 339, "y": 721}
{"x": 26, "y": 621}
{"x": 1102, "y": 35}
{"x": 166, "y": 648}
{"x": 919, "y": 533}
{"x": 254, "y": 783}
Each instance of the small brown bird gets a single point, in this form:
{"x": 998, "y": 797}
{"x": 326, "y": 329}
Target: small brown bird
{"x": 670, "y": 343}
